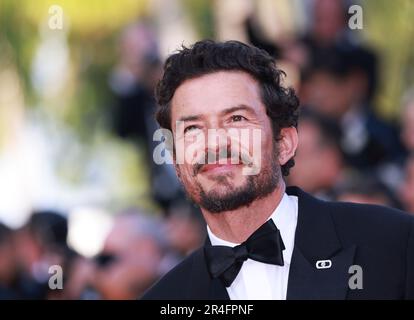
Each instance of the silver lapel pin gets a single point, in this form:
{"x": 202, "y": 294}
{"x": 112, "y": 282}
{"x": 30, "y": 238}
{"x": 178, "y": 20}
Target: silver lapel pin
{"x": 323, "y": 264}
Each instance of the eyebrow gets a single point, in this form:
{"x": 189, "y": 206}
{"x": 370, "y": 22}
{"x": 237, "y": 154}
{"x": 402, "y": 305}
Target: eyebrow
{"x": 190, "y": 118}
{"x": 224, "y": 112}
{"x": 241, "y": 107}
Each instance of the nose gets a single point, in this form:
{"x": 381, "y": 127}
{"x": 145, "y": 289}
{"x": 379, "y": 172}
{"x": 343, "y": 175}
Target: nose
{"x": 217, "y": 144}
{"x": 216, "y": 138}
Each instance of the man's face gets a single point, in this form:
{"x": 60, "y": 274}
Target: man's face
{"x": 223, "y": 101}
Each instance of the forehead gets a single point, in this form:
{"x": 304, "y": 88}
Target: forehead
{"x": 212, "y": 93}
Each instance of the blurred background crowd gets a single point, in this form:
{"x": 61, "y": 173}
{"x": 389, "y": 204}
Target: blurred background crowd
{"x": 78, "y": 184}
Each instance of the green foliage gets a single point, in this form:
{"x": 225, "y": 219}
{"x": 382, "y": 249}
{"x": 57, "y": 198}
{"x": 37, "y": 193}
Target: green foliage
{"x": 388, "y": 26}
{"x": 201, "y": 15}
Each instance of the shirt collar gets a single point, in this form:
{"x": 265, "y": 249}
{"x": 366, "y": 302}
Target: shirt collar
{"x": 285, "y": 218}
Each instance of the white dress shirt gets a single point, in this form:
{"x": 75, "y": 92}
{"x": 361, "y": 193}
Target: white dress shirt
{"x": 262, "y": 281}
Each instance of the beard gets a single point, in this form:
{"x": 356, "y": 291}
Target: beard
{"x": 255, "y": 187}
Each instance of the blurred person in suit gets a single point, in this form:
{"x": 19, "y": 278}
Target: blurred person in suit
{"x": 132, "y": 83}
{"x": 40, "y": 244}
{"x": 328, "y": 29}
{"x": 336, "y": 85}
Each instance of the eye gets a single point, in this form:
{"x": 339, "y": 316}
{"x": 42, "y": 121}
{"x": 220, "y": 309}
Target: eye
{"x": 237, "y": 118}
{"x": 191, "y": 127}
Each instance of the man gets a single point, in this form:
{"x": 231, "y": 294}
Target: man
{"x": 336, "y": 84}
{"x": 266, "y": 241}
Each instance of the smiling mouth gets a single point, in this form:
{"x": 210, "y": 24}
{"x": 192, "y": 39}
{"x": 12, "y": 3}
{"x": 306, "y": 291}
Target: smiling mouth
{"x": 217, "y": 168}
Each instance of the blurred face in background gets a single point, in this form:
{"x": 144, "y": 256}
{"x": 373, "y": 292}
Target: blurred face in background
{"x": 407, "y": 188}
{"x": 328, "y": 20}
{"x": 137, "y": 44}
{"x": 184, "y": 233}
{"x": 318, "y": 165}
{"x": 132, "y": 261}
{"x": 28, "y": 250}
{"x": 224, "y": 100}
{"x": 330, "y": 95}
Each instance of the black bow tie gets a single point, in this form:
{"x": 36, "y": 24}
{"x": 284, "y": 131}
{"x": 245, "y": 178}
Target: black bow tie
{"x": 264, "y": 245}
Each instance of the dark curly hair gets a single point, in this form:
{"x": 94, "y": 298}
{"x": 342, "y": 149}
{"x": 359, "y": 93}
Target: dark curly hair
{"x": 207, "y": 56}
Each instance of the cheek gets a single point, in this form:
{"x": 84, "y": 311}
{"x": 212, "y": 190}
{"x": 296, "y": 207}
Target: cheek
{"x": 188, "y": 180}
{"x": 266, "y": 139}
{"x": 268, "y": 149}
{"x": 183, "y": 171}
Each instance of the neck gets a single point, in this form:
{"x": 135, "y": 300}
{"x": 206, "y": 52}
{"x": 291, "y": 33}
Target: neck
{"x": 237, "y": 225}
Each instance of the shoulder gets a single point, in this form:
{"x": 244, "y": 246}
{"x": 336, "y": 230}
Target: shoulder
{"x": 173, "y": 285}
{"x": 355, "y": 219}
{"x": 374, "y": 215}
{"x": 355, "y": 223}
{"x": 371, "y": 222}
{"x": 383, "y": 235}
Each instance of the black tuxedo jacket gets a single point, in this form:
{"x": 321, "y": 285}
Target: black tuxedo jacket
{"x": 378, "y": 239}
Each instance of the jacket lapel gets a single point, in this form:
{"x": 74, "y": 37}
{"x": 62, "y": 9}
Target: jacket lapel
{"x": 218, "y": 291}
{"x": 202, "y": 285}
{"x": 315, "y": 240}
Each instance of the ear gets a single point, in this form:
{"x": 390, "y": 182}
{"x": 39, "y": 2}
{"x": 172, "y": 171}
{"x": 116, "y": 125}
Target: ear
{"x": 288, "y": 144}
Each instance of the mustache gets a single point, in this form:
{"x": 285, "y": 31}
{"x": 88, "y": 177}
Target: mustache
{"x": 211, "y": 157}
